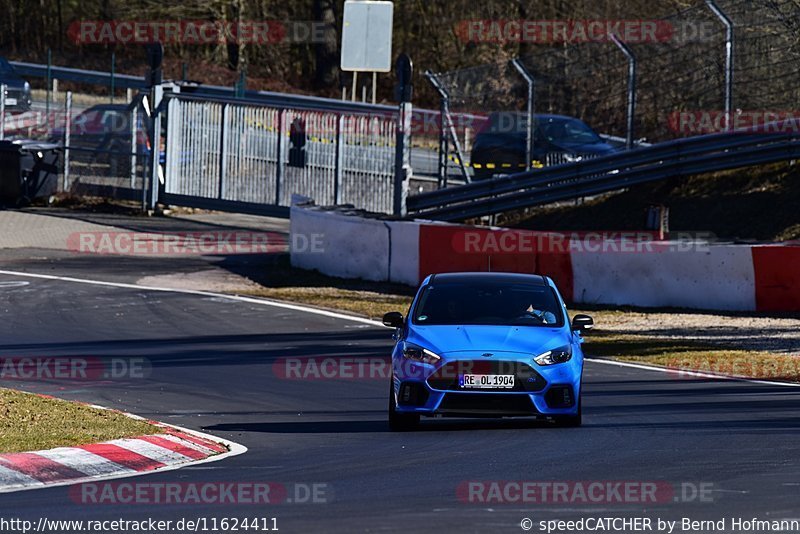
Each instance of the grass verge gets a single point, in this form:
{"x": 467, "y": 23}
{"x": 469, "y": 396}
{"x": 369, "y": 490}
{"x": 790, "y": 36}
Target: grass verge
{"x": 692, "y": 356}
{"x": 30, "y": 422}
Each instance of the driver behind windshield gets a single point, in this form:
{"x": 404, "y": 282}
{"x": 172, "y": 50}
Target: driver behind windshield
{"x": 547, "y": 317}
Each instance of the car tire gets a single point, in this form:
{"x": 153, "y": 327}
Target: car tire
{"x": 400, "y": 422}
{"x": 569, "y": 421}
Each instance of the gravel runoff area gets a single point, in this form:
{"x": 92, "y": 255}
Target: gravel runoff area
{"x": 731, "y": 331}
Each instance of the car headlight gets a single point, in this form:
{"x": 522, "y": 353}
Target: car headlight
{"x": 26, "y": 87}
{"x": 551, "y": 357}
{"x": 419, "y": 354}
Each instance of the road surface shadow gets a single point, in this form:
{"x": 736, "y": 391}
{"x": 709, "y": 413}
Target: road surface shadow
{"x": 372, "y": 426}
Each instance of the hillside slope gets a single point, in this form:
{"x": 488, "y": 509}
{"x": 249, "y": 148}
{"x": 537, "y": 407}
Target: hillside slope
{"x": 760, "y": 204}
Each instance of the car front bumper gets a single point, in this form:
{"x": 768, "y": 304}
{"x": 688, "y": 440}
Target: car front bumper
{"x": 538, "y": 390}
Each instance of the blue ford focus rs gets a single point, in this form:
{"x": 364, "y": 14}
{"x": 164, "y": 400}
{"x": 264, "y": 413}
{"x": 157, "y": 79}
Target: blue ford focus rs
{"x": 486, "y": 345}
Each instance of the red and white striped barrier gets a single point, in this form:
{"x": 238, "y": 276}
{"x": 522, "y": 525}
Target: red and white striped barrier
{"x": 632, "y": 268}
{"x": 111, "y": 459}
{"x": 171, "y": 448}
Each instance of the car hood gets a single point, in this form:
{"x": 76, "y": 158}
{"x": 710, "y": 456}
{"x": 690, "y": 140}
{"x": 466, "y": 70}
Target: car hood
{"x": 524, "y": 339}
{"x": 12, "y": 80}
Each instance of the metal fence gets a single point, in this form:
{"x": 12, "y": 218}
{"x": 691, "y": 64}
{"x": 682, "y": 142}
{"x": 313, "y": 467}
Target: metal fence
{"x": 249, "y": 154}
{"x": 711, "y": 64}
{"x": 104, "y": 146}
{"x": 106, "y": 149}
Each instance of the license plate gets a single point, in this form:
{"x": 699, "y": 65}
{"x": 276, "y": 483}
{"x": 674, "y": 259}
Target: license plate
{"x": 486, "y": 381}
{"x": 11, "y": 101}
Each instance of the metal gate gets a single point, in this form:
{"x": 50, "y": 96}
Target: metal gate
{"x": 249, "y": 157}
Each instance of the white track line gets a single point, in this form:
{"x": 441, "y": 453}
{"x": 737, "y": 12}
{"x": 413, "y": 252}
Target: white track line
{"x": 251, "y": 300}
{"x": 697, "y": 374}
{"x": 344, "y": 316}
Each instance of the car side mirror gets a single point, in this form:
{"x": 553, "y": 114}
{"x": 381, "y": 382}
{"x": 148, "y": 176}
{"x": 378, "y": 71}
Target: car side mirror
{"x": 582, "y": 323}
{"x": 393, "y": 320}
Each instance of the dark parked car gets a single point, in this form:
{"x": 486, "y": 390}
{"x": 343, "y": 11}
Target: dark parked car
{"x": 102, "y": 134}
{"x": 18, "y": 91}
{"x": 104, "y": 127}
{"x": 499, "y": 147}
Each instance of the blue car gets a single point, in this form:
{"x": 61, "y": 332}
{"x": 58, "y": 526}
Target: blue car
{"x": 486, "y": 345}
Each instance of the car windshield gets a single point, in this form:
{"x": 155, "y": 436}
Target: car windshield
{"x": 570, "y": 131}
{"x": 554, "y": 129}
{"x": 488, "y": 303}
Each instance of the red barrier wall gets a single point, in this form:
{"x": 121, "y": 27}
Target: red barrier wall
{"x": 447, "y": 248}
{"x": 777, "y": 276}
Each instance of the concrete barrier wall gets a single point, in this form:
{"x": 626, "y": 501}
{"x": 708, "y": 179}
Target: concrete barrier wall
{"x": 349, "y": 246}
{"x": 718, "y": 278}
{"x": 618, "y": 270}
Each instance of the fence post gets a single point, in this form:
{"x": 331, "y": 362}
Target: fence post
{"x": 279, "y": 169}
{"x": 631, "y": 88}
{"x": 444, "y": 110}
{"x": 113, "y": 72}
{"x": 67, "y": 131}
{"x": 728, "y": 59}
{"x": 404, "y": 68}
{"x": 223, "y": 146}
{"x": 3, "y": 88}
{"x": 447, "y": 128}
{"x": 134, "y": 118}
{"x": 338, "y": 172}
{"x": 529, "y": 79}
{"x": 155, "y": 146}
{"x": 49, "y": 83}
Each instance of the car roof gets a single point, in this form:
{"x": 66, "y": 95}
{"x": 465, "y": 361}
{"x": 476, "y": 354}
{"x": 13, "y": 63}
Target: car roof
{"x": 530, "y": 279}
{"x": 108, "y": 107}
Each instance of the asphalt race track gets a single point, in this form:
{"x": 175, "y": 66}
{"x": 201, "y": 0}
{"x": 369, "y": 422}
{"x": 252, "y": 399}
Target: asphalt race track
{"x": 212, "y": 367}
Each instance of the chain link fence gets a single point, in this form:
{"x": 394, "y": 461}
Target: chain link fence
{"x": 103, "y": 146}
{"x": 679, "y": 87}
{"x": 231, "y": 152}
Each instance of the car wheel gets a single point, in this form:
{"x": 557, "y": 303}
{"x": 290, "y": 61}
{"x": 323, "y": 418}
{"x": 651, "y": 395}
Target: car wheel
{"x": 569, "y": 421}
{"x": 400, "y": 422}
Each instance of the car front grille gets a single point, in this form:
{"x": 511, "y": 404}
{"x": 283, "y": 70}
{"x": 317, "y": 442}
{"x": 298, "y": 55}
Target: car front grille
{"x": 526, "y": 379}
{"x": 486, "y": 404}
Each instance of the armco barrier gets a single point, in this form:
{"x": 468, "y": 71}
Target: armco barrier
{"x": 617, "y": 269}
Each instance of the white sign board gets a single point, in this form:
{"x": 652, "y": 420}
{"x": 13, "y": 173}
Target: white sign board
{"x": 367, "y": 36}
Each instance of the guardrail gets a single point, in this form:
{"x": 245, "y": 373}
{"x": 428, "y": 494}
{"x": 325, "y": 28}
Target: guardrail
{"x": 694, "y": 155}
